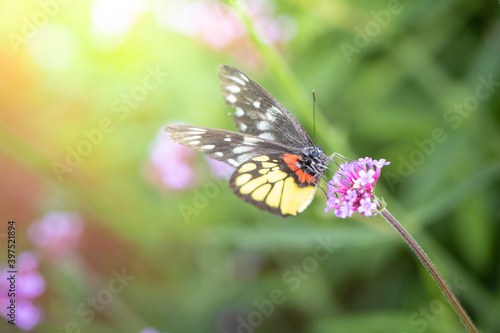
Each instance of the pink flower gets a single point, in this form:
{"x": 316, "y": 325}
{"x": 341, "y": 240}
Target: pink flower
{"x": 220, "y": 169}
{"x": 28, "y": 315}
{"x": 352, "y": 188}
{"x": 172, "y": 162}
{"x": 219, "y": 27}
{"x": 29, "y": 284}
{"x": 56, "y": 233}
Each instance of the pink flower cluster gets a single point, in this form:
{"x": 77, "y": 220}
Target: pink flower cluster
{"x": 214, "y": 24}
{"x": 56, "y": 233}
{"x": 352, "y": 188}
{"x": 172, "y": 162}
{"x": 29, "y": 284}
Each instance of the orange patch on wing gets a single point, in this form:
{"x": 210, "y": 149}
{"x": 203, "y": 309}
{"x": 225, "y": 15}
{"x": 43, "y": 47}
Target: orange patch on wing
{"x": 300, "y": 174}
{"x": 291, "y": 161}
{"x": 309, "y": 178}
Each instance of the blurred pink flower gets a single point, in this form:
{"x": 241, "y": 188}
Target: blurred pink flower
{"x": 149, "y": 330}
{"x": 56, "y": 233}
{"x": 29, "y": 284}
{"x": 219, "y": 27}
{"x": 220, "y": 169}
{"x": 172, "y": 162}
{"x": 28, "y": 315}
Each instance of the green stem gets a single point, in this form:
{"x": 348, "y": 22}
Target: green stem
{"x": 450, "y": 296}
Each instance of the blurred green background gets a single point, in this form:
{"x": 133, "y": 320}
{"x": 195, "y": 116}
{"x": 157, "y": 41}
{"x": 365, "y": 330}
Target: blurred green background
{"x": 402, "y": 80}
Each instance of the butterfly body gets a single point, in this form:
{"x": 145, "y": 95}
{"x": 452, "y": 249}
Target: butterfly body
{"x": 277, "y": 165}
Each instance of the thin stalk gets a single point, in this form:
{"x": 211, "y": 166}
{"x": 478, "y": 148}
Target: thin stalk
{"x": 450, "y": 296}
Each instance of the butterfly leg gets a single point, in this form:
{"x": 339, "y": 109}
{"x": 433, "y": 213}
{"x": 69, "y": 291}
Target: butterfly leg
{"x": 339, "y": 156}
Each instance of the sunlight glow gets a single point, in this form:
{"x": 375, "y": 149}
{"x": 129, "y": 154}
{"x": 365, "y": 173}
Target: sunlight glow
{"x": 54, "y": 48}
{"x": 114, "y": 17}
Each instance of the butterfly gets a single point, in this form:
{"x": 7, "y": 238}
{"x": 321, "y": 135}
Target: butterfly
{"x": 277, "y": 165}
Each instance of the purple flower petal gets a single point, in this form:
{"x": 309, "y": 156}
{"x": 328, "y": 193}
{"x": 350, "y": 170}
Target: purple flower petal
{"x": 366, "y": 206}
{"x": 366, "y": 177}
{"x": 351, "y": 194}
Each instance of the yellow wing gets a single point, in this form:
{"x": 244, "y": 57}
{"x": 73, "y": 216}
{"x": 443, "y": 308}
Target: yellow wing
{"x": 268, "y": 183}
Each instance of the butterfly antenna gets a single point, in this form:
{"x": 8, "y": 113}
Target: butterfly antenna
{"x": 314, "y": 117}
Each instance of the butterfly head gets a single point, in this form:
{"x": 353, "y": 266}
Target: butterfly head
{"x": 314, "y": 161}
{"x": 315, "y": 152}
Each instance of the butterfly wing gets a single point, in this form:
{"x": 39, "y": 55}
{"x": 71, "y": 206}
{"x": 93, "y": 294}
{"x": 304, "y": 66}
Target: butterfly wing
{"x": 226, "y": 146}
{"x": 258, "y": 112}
{"x": 266, "y": 175}
{"x": 269, "y": 182}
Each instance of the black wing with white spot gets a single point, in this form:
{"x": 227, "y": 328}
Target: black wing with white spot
{"x": 226, "y": 146}
{"x": 258, "y": 112}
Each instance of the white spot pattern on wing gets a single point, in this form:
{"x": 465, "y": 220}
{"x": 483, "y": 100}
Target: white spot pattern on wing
{"x": 266, "y": 135}
{"x": 237, "y": 80}
{"x": 242, "y": 149}
{"x": 263, "y": 125}
{"x": 232, "y": 162}
{"x": 239, "y": 112}
{"x": 233, "y": 88}
{"x": 231, "y": 99}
